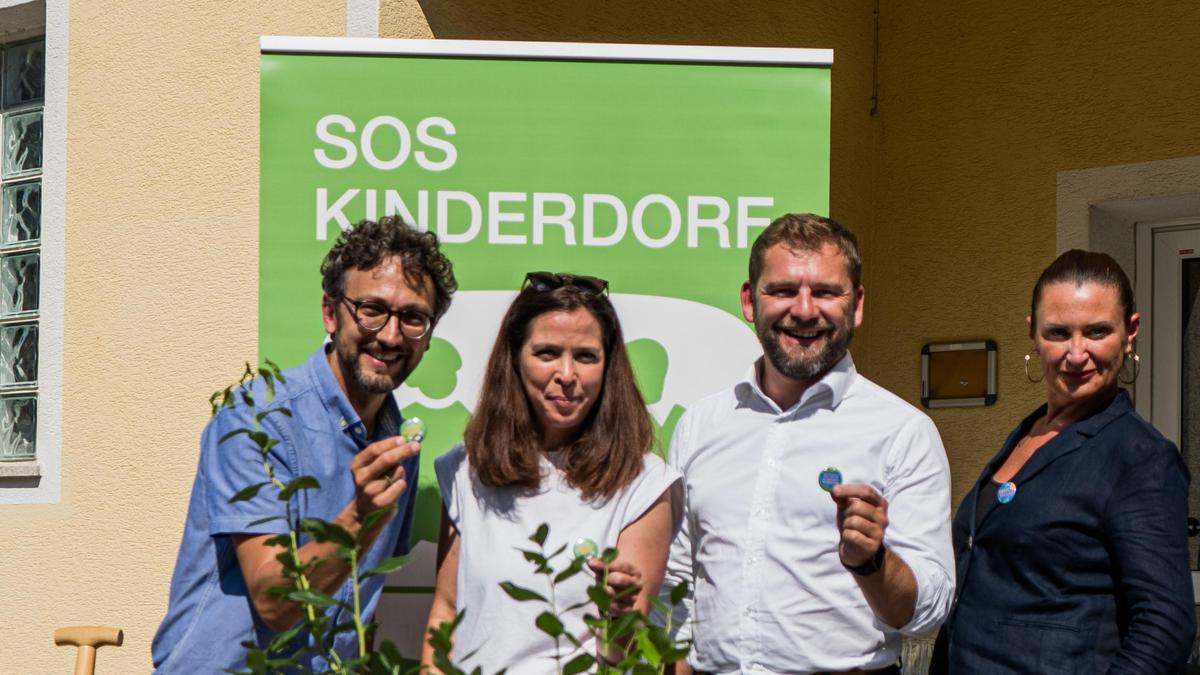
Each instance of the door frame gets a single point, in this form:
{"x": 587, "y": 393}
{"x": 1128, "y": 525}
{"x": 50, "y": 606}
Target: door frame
{"x": 1144, "y": 298}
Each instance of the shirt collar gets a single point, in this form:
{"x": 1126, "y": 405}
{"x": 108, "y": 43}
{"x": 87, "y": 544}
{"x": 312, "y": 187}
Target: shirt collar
{"x": 339, "y": 406}
{"x": 834, "y": 385}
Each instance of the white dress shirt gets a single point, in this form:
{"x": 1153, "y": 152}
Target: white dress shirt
{"x": 759, "y": 542}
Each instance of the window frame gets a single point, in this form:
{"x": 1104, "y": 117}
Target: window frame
{"x": 38, "y": 481}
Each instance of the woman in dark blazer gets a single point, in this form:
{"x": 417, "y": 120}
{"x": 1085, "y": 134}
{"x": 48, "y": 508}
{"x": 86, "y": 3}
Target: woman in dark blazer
{"x": 1071, "y": 547}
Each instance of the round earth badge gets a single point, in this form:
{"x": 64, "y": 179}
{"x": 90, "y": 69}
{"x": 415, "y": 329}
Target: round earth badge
{"x": 1005, "y": 493}
{"x": 828, "y": 478}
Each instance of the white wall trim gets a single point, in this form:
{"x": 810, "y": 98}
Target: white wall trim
{"x": 48, "y": 487}
{"x": 362, "y": 18}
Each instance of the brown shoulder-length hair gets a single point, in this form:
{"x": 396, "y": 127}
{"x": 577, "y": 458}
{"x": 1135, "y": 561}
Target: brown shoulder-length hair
{"x": 502, "y": 438}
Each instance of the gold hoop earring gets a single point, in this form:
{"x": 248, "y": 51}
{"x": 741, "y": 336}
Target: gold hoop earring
{"x": 1137, "y": 367}
{"x": 1027, "y": 375}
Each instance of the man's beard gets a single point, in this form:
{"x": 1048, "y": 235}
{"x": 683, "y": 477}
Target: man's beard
{"x": 801, "y": 363}
{"x": 348, "y": 354}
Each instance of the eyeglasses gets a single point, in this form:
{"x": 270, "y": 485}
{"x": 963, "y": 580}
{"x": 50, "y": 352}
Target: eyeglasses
{"x": 372, "y": 316}
{"x": 543, "y": 282}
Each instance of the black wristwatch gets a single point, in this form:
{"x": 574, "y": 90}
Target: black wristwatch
{"x": 871, "y": 566}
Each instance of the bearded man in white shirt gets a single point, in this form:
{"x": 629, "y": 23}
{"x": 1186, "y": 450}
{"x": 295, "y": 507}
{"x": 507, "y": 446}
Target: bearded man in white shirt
{"x": 785, "y": 576}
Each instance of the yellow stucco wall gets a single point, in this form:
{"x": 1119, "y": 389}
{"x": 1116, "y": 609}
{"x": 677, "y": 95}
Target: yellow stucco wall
{"x": 951, "y": 187}
{"x": 161, "y": 306}
{"x": 980, "y": 108}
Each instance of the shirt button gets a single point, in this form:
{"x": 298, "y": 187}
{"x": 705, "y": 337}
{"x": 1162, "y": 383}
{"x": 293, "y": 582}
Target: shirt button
{"x": 342, "y": 422}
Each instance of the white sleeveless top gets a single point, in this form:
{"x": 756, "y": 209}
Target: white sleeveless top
{"x": 493, "y": 523}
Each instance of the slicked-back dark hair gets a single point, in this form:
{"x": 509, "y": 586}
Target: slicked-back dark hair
{"x": 502, "y": 439}
{"x": 369, "y": 243}
{"x": 806, "y": 232}
{"x": 1079, "y": 267}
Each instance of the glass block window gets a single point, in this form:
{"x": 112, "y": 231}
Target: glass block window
{"x": 22, "y": 92}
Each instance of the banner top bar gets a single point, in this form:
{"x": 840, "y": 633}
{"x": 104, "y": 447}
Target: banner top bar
{"x": 575, "y": 51}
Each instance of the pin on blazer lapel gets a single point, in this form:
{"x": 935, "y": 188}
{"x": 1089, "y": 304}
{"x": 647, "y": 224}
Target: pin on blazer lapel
{"x": 1066, "y": 442}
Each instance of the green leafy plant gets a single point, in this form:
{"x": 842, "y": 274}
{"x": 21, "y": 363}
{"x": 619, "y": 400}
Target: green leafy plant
{"x": 315, "y": 633}
{"x": 628, "y": 642}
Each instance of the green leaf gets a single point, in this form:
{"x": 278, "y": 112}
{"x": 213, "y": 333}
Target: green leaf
{"x": 549, "y": 624}
{"x": 679, "y": 593}
{"x": 268, "y": 519}
{"x": 676, "y": 653}
{"x": 297, "y": 484}
{"x": 520, "y": 594}
{"x": 233, "y": 433}
{"x": 281, "y": 410}
{"x": 609, "y": 555}
{"x": 645, "y": 669}
{"x": 649, "y": 649}
{"x": 248, "y": 493}
{"x": 261, "y": 439}
{"x": 311, "y": 597}
{"x": 572, "y": 608}
{"x": 247, "y": 397}
{"x": 279, "y": 540}
{"x": 626, "y": 592}
{"x": 285, "y": 638}
{"x": 624, "y": 624}
{"x": 578, "y": 664}
{"x": 390, "y": 654}
{"x": 388, "y": 566}
{"x": 373, "y": 518}
{"x": 323, "y": 531}
{"x": 600, "y": 598}
{"x": 574, "y": 568}
{"x": 268, "y": 379}
{"x": 539, "y": 537}
{"x": 534, "y": 557}
{"x": 275, "y": 369}
{"x": 573, "y": 640}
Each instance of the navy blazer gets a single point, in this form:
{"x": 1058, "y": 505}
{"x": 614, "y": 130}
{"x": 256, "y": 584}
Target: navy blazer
{"x": 1086, "y": 569}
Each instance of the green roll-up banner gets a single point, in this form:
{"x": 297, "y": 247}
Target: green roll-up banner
{"x": 653, "y": 167}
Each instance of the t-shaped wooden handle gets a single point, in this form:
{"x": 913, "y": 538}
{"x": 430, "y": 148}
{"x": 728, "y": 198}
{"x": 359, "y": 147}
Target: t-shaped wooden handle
{"x": 88, "y": 638}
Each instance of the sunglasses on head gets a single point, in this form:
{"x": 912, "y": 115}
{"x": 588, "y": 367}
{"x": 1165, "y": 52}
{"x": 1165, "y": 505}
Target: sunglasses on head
{"x": 543, "y": 282}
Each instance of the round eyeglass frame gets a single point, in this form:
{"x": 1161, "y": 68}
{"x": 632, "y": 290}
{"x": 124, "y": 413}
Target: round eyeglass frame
{"x": 405, "y": 329}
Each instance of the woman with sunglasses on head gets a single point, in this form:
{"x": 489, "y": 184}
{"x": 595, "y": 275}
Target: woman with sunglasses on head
{"x": 560, "y": 436}
{"x": 1071, "y": 547}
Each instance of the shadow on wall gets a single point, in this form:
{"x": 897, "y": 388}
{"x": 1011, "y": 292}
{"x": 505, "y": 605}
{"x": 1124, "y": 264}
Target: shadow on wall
{"x": 709, "y": 22}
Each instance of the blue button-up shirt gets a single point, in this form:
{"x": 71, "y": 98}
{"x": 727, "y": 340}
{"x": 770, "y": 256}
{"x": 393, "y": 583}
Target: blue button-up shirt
{"x": 210, "y": 612}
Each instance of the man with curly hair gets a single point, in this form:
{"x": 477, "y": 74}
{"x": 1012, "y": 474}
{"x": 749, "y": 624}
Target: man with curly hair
{"x": 385, "y": 287}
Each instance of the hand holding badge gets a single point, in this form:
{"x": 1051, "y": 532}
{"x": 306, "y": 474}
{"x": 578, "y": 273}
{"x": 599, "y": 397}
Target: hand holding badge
{"x": 861, "y": 519}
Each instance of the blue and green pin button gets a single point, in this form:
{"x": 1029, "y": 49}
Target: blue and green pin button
{"x": 1006, "y": 493}
{"x": 829, "y": 478}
